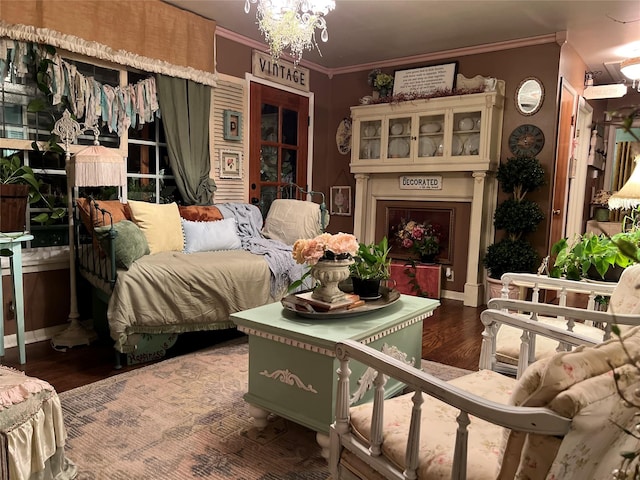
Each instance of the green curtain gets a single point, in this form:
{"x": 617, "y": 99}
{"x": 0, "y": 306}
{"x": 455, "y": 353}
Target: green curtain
{"x": 185, "y": 114}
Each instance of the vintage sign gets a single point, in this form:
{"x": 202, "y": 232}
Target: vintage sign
{"x": 425, "y": 80}
{"x": 283, "y": 72}
{"x": 420, "y": 182}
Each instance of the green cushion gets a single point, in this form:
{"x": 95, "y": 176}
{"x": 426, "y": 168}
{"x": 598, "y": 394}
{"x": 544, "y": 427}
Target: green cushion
{"x": 130, "y": 245}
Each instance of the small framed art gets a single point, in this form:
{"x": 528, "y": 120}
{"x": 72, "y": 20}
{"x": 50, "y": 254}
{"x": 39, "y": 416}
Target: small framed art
{"x": 232, "y": 125}
{"x": 340, "y": 201}
{"x": 230, "y": 164}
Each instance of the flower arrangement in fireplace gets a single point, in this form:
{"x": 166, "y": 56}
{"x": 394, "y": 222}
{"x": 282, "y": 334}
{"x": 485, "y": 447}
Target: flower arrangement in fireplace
{"x": 340, "y": 246}
{"x": 422, "y": 238}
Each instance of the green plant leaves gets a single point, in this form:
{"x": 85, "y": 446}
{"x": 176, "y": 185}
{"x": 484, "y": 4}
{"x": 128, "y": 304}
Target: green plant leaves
{"x": 517, "y": 217}
{"x": 12, "y": 172}
{"x": 509, "y": 255}
{"x": 372, "y": 261}
{"x": 574, "y": 259}
{"x": 519, "y": 175}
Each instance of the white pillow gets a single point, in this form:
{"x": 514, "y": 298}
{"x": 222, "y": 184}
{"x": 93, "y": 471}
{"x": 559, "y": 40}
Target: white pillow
{"x": 288, "y": 220}
{"x": 209, "y": 236}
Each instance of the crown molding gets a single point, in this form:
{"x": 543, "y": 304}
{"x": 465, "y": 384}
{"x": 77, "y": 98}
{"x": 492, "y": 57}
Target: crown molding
{"x": 426, "y": 57}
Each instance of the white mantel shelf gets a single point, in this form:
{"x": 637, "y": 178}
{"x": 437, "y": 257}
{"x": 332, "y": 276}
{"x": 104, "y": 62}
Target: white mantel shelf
{"x": 392, "y": 140}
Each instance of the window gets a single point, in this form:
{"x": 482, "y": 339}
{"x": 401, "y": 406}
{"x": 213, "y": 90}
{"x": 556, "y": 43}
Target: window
{"x": 148, "y": 172}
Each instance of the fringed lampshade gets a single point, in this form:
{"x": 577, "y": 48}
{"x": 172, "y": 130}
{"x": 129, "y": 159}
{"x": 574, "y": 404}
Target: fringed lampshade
{"x": 98, "y": 166}
{"x": 628, "y": 197}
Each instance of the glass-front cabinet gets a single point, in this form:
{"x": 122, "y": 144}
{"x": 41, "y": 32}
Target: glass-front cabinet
{"x": 460, "y": 132}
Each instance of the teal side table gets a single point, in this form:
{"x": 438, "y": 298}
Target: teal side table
{"x": 13, "y": 242}
{"x": 292, "y": 364}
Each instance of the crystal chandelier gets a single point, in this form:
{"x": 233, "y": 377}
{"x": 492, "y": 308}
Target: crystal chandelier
{"x": 291, "y": 24}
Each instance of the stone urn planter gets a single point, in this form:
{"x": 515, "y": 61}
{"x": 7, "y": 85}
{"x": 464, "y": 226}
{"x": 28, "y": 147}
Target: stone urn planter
{"x": 329, "y": 273}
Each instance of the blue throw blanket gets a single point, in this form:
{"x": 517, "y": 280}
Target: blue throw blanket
{"x": 284, "y": 269}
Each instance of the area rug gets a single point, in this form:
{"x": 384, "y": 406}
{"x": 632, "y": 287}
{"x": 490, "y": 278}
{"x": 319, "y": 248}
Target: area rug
{"x": 185, "y": 418}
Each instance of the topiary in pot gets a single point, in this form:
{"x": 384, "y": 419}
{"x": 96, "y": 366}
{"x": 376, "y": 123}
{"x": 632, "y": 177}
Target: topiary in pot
{"x": 517, "y": 216}
{"x": 509, "y": 255}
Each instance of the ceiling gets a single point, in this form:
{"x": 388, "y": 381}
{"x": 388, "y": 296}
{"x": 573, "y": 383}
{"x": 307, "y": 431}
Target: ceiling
{"x": 363, "y": 32}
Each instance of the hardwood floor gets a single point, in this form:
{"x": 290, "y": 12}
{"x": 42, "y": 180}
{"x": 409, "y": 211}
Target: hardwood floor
{"x": 451, "y": 336}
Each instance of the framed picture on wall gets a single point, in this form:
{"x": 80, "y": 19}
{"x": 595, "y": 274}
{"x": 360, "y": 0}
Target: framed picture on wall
{"x": 232, "y": 125}
{"x": 230, "y": 164}
{"x": 340, "y": 201}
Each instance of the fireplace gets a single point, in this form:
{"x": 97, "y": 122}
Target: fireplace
{"x": 463, "y": 207}
{"x": 453, "y": 217}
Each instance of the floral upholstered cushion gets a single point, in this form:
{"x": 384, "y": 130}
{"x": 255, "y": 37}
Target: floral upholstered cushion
{"x": 568, "y": 368}
{"x": 508, "y": 340}
{"x": 593, "y": 404}
{"x": 626, "y": 296}
{"x": 438, "y": 429}
{"x": 545, "y": 379}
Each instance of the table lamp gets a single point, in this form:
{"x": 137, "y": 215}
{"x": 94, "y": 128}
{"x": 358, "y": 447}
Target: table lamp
{"x": 628, "y": 197}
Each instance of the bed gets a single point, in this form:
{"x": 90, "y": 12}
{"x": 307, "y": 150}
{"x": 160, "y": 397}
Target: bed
{"x": 222, "y": 260}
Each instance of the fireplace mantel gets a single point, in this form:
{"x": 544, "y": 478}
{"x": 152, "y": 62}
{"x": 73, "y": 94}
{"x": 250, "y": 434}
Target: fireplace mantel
{"x": 458, "y": 177}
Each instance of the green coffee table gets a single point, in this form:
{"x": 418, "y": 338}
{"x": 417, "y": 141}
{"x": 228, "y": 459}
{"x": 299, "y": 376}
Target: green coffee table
{"x": 292, "y": 365}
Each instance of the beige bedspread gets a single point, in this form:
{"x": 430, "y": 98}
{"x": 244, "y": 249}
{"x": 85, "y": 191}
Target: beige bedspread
{"x": 174, "y": 292}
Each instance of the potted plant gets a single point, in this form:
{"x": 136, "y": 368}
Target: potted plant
{"x": 517, "y": 216}
{"x": 600, "y": 203}
{"x": 19, "y": 186}
{"x": 598, "y": 257}
{"x": 372, "y": 264}
{"x": 382, "y": 83}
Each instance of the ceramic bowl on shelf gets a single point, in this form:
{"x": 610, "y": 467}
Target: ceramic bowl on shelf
{"x": 396, "y": 129}
{"x": 456, "y": 145}
{"x": 398, "y": 148}
{"x": 431, "y": 127}
{"x": 472, "y": 144}
{"x": 466, "y": 123}
{"x": 427, "y": 147}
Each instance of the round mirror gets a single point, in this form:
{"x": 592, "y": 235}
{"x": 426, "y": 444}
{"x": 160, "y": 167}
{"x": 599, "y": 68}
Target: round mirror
{"x": 529, "y": 96}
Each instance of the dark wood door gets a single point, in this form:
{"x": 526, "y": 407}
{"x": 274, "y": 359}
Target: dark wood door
{"x": 566, "y": 122}
{"x": 278, "y": 143}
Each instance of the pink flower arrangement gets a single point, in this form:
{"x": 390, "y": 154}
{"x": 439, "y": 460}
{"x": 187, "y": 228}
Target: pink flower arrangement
{"x": 422, "y": 238}
{"x": 325, "y": 246}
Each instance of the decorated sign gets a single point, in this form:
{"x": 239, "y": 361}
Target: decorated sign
{"x": 420, "y": 182}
